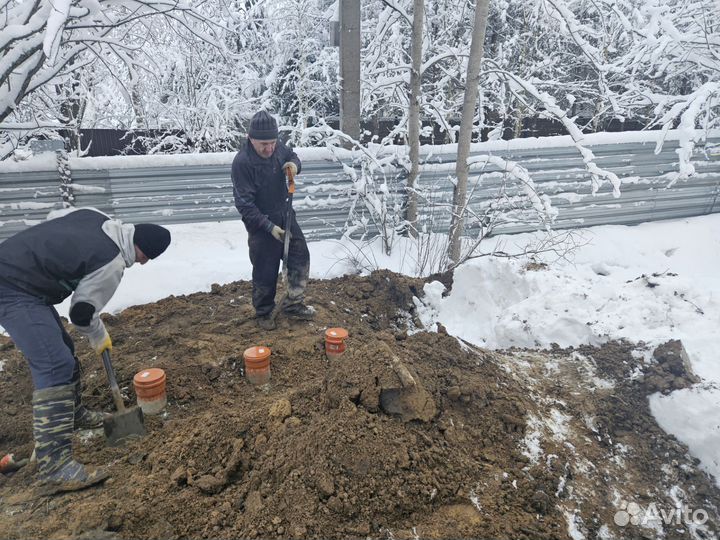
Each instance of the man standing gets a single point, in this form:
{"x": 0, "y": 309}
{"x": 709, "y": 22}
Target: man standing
{"x": 83, "y": 253}
{"x": 261, "y": 196}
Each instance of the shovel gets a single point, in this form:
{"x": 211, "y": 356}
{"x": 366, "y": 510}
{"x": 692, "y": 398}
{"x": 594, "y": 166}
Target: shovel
{"x": 286, "y": 243}
{"x": 125, "y": 423}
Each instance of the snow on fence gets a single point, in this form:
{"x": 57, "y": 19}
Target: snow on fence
{"x": 650, "y": 189}
{"x": 197, "y": 188}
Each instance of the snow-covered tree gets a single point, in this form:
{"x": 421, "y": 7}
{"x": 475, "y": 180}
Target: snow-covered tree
{"x": 44, "y": 44}
{"x": 204, "y": 68}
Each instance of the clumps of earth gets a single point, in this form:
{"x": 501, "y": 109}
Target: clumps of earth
{"x": 409, "y": 434}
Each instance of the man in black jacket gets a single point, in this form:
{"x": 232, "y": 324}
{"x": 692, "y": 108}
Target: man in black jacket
{"x": 83, "y": 253}
{"x": 261, "y": 197}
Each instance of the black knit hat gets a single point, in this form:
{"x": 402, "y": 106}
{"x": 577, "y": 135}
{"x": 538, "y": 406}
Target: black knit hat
{"x": 263, "y": 127}
{"x": 152, "y": 239}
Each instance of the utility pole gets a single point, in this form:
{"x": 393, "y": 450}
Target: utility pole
{"x": 350, "y": 67}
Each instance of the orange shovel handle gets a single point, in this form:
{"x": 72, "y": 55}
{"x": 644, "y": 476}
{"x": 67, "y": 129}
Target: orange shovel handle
{"x": 291, "y": 180}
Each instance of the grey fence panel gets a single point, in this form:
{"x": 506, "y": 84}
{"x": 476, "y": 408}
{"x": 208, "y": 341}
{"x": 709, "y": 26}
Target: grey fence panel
{"x": 167, "y": 194}
{"x": 559, "y": 172}
{"x": 26, "y": 198}
{"x": 93, "y": 188}
{"x": 170, "y": 194}
{"x": 323, "y": 199}
{"x": 176, "y": 194}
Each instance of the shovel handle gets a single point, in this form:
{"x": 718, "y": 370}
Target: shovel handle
{"x": 291, "y": 190}
{"x": 291, "y": 180}
{"x": 117, "y": 398}
{"x": 286, "y": 241}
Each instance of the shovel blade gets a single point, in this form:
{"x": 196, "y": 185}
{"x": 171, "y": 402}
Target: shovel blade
{"x": 124, "y": 426}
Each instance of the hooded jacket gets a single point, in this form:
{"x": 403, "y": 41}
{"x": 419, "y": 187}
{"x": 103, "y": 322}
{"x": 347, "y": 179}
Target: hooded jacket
{"x": 82, "y": 252}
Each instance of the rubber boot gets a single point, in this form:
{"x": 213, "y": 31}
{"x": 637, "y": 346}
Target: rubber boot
{"x": 84, "y": 418}
{"x": 300, "y": 312}
{"x": 53, "y": 416}
{"x": 266, "y": 322}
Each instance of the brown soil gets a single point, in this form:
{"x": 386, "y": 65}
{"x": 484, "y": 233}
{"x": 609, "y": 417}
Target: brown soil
{"x": 409, "y": 434}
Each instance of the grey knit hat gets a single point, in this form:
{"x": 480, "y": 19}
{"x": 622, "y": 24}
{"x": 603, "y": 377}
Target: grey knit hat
{"x": 263, "y": 127}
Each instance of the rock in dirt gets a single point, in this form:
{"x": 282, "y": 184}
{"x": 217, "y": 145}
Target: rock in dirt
{"x": 254, "y": 502}
{"x": 673, "y": 356}
{"x": 671, "y": 370}
{"x": 209, "y": 484}
{"x": 454, "y": 393}
{"x": 281, "y": 409}
{"x": 325, "y": 485}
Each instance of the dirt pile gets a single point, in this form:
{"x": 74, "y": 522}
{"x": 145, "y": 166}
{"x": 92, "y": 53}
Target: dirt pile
{"x": 409, "y": 434}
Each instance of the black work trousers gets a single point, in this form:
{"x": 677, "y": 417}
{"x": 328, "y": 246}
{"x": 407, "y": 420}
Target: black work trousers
{"x": 265, "y": 256}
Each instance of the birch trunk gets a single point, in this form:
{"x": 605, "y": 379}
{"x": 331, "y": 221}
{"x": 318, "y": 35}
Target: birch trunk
{"x": 457, "y": 220}
{"x": 414, "y": 114}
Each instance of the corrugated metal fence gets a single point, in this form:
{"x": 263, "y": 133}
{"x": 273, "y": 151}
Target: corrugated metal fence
{"x": 181, "y": 189}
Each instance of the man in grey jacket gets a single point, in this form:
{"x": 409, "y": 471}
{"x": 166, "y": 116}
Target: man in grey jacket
{"x": 84, "y": 253}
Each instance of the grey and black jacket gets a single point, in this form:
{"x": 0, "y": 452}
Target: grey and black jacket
{"x": 82, "y": 252}
{"x": 260, "y": 186}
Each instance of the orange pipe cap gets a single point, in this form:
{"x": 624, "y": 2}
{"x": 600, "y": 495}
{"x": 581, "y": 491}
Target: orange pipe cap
{"x": 149, "y": 377}
{"x": 336, "y": 333}
{"x": 257, "y": 353}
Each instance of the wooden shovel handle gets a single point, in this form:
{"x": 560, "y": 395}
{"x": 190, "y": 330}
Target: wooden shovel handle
{"x": 117, "y": 397}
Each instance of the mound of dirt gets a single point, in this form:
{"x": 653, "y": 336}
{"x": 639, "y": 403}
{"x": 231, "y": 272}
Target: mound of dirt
{"x": 408, "y": 434}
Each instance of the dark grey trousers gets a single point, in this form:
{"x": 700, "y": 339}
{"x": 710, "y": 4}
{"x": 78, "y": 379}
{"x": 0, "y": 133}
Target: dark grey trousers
{"x": 265, "y": 256}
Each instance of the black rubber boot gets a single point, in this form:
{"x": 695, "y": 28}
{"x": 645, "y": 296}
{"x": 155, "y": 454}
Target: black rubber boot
{"x": 53, "y": 418}
{"x": 266, "y": 322}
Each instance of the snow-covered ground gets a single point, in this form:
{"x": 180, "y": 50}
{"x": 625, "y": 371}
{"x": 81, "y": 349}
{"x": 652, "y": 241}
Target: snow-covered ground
{"x": 652, "y": 282}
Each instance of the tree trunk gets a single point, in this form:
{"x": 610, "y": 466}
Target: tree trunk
{"x": 139, "y": 121}
{"x": 414, "y": 114}
{"x": 457, "y": 220}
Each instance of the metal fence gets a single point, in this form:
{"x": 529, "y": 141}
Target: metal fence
{"x": 182, "y": 189}
{"x": 648, "y": 192}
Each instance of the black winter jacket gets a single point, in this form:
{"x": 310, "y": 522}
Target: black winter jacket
{"x": 83, "y": 252}
{"x": 50, "y": 259}
{"x": 260, "y": 186}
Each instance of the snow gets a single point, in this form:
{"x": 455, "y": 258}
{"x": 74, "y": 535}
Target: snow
{"x": 46, "y": 161}
{"x": 531, "y": 442}
{"x": 700, "y": 433}
{"x": 574, "y": 526}
{"x": 55, "y": 24}
{"x": 27, "y": 206}
{"x": 651, "y": 282}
